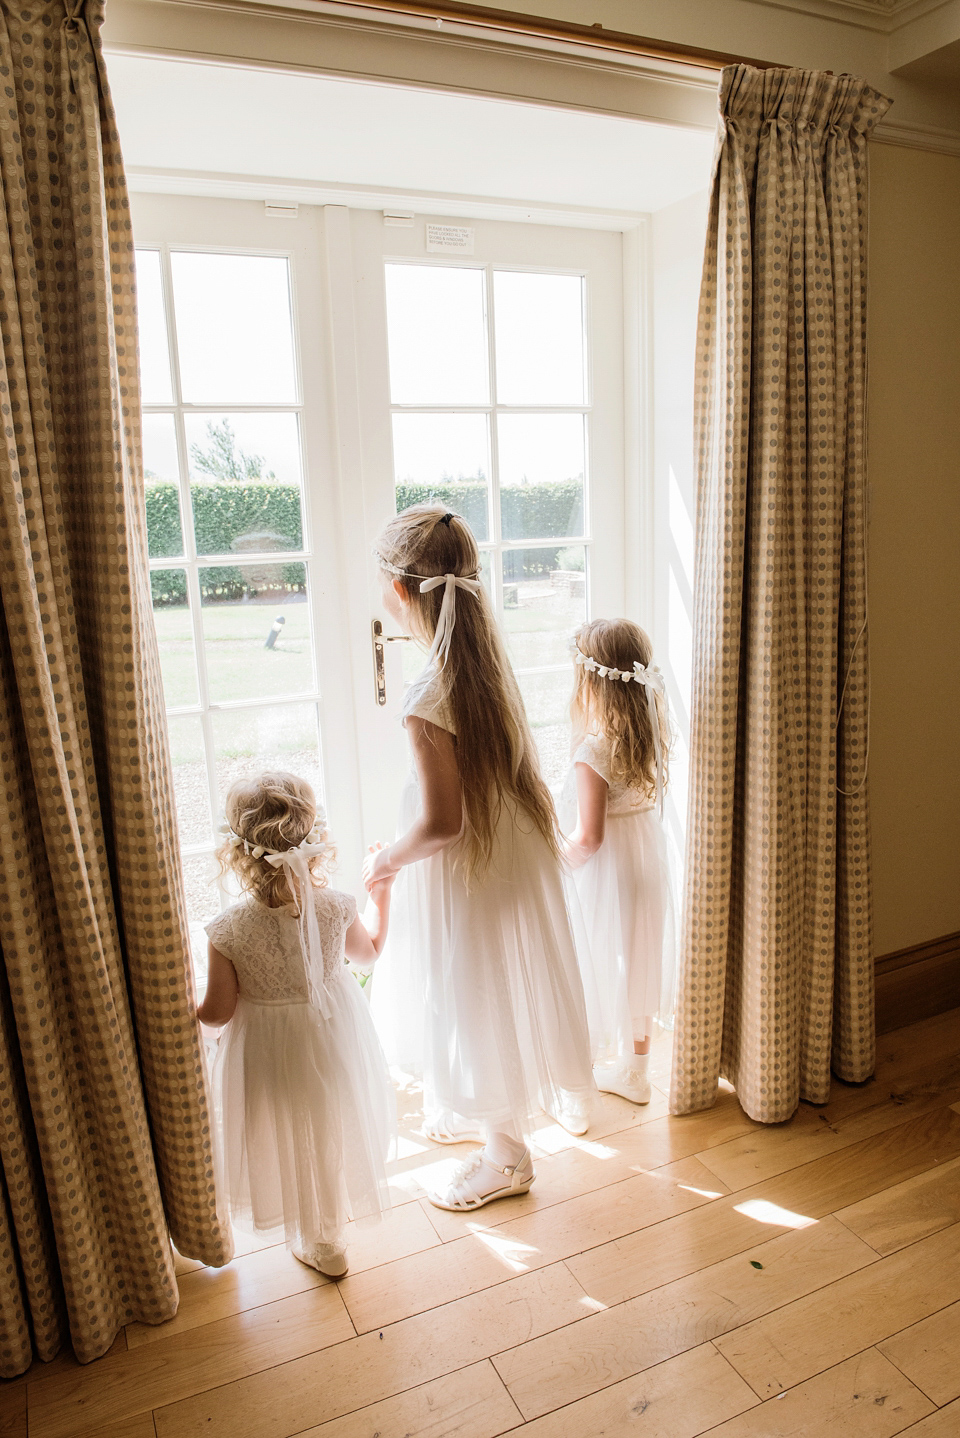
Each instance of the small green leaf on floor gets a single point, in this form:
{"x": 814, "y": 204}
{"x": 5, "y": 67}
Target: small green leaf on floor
{"x": 755, "y": 1264}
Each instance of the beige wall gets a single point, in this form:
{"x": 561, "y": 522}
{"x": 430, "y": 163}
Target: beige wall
{"x": 914, "y": 438}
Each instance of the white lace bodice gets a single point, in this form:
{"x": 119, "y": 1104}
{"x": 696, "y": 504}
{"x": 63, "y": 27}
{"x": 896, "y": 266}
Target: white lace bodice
{"x": 264, "y": 944}
{"x": 621, "y": 799}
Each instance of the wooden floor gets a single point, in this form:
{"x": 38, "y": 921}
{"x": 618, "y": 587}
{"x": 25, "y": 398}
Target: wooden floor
{"x": 664, "y": 1277}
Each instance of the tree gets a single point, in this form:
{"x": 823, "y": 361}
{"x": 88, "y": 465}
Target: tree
{"x": 224, "y": 459}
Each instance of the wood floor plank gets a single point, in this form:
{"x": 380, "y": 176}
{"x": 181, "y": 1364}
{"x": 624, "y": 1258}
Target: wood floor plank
{"x": 782, "y": 1349}
{"x": 13, "y": 1409}
{"x": 628, "y": 1267}
{"x": 929, "y": 1354}
{"x": 470, "y": 1404}
{"x": 908, "y": 1211}
{"x": 865, "y": 1397}
{"x": 678, "y": 1399}
{"x": 322, "y": 1386}
{"x": 945, "y": 1423}
{"x": 495, "y": 1252}
{"x": 563, "y": 1366}
{"x": 81, "y": 1402}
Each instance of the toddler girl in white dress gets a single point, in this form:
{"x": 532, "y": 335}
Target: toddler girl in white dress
{"x": 482, "y": 993}
{"x": 301, "y": 1090}
{"x": 611, "y": 809}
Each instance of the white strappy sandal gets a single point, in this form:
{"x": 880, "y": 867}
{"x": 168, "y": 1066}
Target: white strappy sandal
{"x": 460, "y": 1196}
{"x": 449, "y": 1127}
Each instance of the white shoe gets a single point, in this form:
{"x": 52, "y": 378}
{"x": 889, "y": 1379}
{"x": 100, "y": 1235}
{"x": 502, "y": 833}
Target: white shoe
{"x": 566, "y": 1110}
{"x": 468, "y": 1189}
{"x": 329, "y": 1259}
{"x": 626, "y": 1082}
{"x": 450, "y": 1127}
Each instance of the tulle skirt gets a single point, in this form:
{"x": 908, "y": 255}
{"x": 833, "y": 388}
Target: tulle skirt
{"x": 627, "y": 938}
{"x": 306, "y": 1115}
{"x": 478, "y": 989}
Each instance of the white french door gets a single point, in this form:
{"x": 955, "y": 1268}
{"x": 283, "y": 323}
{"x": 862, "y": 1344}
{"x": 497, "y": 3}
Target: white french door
{"x": 301, "y": 378}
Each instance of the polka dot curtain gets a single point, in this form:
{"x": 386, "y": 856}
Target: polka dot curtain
{"x": 105, "y": 1145}
{"x": 776, "y": 984}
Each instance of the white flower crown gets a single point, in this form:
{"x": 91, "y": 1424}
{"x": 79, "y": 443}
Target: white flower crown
{"x": 314, "y": 843}
{"x": 647, "y": 675}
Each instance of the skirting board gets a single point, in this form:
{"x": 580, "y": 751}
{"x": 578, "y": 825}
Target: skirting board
{"x": 917, "y": 983}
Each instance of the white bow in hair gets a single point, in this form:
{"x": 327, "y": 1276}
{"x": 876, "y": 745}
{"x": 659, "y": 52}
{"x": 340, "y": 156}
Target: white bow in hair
{"x": 448, "y": 609}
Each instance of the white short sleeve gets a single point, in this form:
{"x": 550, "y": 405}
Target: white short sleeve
{"x": 220, "y": 933}
{"x": 594, "y": 751}
{"x": 423, "y": 702}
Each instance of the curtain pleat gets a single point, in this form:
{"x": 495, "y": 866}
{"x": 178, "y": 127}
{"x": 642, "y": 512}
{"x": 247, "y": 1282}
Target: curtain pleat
{"x": 776, "y": 976}
{"x": 105, "y": 1144}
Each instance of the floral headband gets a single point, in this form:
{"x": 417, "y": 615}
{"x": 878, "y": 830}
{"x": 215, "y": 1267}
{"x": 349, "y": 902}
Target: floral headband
{"x": 647, "y": 675}
{"x": 311, "y": 844}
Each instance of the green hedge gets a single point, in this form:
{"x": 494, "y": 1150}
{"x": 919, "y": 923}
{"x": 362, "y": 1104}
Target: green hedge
{"x": 270, "y": 514}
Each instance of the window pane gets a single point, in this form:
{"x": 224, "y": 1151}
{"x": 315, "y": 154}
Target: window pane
{"x": 202, "y": 894}
{"x": 437, "y": 336}
{"x": 443, "y": 457}
{"x": 155, "y": 387}
{"x": 282, "y": 736}
{"x": 171, "y": 618}
{"x": 234, "y": 329}
{"x": 161, "y": 473}
{"x": 245, "y": 482}
{"x": 256, "y": 630}
{"x": 544, "y": 599}
{"x": 541, "y": 475}
{"x": 539, "y": 327}
{"x": 547, "y": 701}
{"x": 190, "y": 779}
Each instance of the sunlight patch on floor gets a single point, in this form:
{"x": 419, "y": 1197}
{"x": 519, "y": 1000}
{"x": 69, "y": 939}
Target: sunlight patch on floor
{"x": 510, "y": 1251}
{"x": 765, "y": 1212}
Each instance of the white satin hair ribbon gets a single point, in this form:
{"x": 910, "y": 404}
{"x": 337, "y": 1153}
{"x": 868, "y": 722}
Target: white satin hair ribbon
{"x": 448, "y": 609}
{"x": 652, "y": 681}
{"x": 297, "y": 863}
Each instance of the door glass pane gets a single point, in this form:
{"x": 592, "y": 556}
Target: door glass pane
{"x": 155, "y": 386}
{"x": 161, "y": 474}
{"x": 190, "y": 778}
{"x": 256, "y": 630}
{"x": 280, "y": 736}
{"x": 544, "y": 599}
{"x": 443, "y": 457}
{"x": 171, "y": 618}
{"x": 547, "y": 701}
{"x": 436, "y": 332}
{"x": 541, "y": 475}
{"x": 245, "y": 482}
{"x": 202, "y": 894}
{"x": 234, "y": 329}
{"x": 538, "y": 320}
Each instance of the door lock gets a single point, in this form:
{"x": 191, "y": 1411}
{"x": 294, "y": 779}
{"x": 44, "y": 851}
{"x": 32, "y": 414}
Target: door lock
{"x": 379, "y": 672}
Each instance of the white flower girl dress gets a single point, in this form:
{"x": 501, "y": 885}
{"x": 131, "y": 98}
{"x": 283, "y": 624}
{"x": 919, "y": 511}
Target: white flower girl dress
{"x": 306, "y": 1111}
{"x": 478, "y": 988}
{"x": 626, "y": 894}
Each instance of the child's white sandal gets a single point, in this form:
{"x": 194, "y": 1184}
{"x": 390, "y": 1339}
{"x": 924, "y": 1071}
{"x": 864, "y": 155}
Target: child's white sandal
{"x": 443, "y": 1129}
{"x": 461, "y": 1197}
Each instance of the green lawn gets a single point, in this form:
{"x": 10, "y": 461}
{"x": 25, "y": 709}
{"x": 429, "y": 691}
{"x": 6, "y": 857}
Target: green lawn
{"x": 238, "y": 664}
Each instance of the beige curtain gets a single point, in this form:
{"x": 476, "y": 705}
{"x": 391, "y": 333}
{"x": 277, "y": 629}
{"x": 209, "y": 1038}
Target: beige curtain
{"x": 776, "y": 980}
{"x": 104, "y": 1131}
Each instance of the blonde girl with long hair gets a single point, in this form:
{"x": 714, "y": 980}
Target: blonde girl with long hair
{"x": 480, "y": 991}
{"x": 611, "y": 810}
{"x": 305, "y": 1110}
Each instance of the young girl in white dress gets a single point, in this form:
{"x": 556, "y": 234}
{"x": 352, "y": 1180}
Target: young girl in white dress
{"x": 301, "y": 1090}
{"x": 481, "y": 992}
{"x": 611, "y": 809}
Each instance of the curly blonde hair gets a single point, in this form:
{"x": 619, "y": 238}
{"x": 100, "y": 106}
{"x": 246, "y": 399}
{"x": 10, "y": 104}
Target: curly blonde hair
{"x": 275, "y": 811}
{"x": 496, "y": 756}
{"x": 619, "y": 711}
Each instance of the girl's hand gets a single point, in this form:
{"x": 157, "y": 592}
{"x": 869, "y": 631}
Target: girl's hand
{"x": 378, "y": 872}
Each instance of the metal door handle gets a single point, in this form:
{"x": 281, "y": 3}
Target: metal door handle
{"x": 379, "y": 673}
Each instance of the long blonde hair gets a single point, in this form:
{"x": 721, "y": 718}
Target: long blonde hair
{"x": 496, "y": 756}
{"x": 274, "y": 812}
{"x": 619, "y": 711}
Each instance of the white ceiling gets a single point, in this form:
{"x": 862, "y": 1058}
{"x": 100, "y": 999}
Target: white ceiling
{"x": 183, "y": 124}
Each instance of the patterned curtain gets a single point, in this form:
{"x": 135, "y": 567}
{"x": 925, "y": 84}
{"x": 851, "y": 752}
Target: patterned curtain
{"x": 776, "y": 983}
{"x": 104, "y": 1130}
